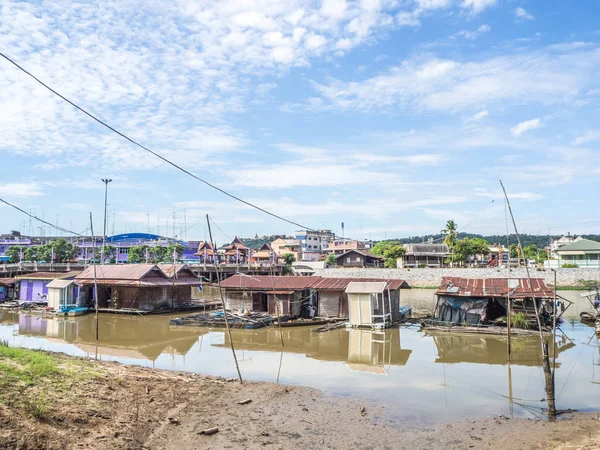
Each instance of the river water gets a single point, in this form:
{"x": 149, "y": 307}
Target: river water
{"x": 420, "y": 378}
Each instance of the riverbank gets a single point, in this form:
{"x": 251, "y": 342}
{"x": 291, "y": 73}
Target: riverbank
{"x": 53, "y": 401}
{"x": 432, "y": 278}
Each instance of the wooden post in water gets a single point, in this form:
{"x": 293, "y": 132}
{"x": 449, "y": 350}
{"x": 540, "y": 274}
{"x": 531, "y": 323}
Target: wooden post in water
{"x": 223, "y": 302}
{"x": 95, "y": 281}
{"x": 508, "y": 322}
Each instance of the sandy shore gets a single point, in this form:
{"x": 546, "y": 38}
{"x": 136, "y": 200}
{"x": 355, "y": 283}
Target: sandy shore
{"x": 74, "y": 403}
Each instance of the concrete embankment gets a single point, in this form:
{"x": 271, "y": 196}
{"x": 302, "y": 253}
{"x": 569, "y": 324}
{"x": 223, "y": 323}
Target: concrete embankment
{"x": 573, "y": 278}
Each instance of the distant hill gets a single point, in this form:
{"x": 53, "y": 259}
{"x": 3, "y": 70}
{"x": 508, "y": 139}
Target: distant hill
{"x": 540, "y": 240}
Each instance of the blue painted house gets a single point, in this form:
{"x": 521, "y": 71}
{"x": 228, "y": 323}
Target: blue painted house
{"x": 33, "y": 287}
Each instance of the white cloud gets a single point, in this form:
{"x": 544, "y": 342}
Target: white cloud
{"x": 590, "y": 136}
{"x": 525, "y": 126}
{"x": 479, "y": 116}
{"x": 477, "y": 6}
{"x": 21, "y": 190}
{"x": 408, "y": 19}
{"x": 472, "y": 34}
{"x": 433, "y": 4}
{"x": 545, "y": 76}
{"x": 498, "y": 195}
{"x": 521, "y": 14}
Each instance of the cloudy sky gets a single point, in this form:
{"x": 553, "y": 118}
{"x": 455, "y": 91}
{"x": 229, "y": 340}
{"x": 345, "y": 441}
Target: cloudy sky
{"x": 389, "y": 115}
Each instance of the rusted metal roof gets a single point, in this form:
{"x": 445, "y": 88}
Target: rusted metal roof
{"x": 494, "y": 287}
{"x": 47, "y": 275}
{"x": 263, "y": 282}
{"x": 7, "y": 281}
{"x": 182, "y": 270}
{"x": 134, "y": 272}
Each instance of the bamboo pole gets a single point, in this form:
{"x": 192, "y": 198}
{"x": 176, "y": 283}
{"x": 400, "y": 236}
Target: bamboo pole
{"x": 223, "y": 303}
{"x": 549, "y": 381}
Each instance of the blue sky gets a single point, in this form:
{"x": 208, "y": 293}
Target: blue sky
{"x": 389, "y": 115}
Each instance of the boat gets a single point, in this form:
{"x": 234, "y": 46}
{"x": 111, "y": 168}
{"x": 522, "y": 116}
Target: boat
{"x": 71, "y": 311}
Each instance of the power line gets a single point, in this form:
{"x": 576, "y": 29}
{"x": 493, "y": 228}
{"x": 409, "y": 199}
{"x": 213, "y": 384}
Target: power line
{"x": 114, "y": 130}
{"x": 64, "y": 230}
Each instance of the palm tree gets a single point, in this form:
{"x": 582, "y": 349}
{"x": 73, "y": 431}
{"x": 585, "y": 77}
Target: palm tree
{"x": 450, "y": 233}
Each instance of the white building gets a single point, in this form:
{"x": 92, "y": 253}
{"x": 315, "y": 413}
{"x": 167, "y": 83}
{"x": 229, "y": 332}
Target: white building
{"x": 314, "y": 243}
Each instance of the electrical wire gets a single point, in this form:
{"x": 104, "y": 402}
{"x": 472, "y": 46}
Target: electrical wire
{"x": 64, "y": 230}
{"x": 158, "y": 155}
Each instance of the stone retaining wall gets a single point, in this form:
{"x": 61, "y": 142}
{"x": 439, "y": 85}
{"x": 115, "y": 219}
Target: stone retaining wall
{"x": 433, "y": 277}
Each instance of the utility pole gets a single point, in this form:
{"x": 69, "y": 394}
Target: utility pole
{"x": 105, "y": 181}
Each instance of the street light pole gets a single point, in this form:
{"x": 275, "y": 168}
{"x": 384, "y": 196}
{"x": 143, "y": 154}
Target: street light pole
{"x": 105, "y": 181}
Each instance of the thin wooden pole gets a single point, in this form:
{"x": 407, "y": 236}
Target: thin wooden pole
{"x": 549, "y": 381}
{"x": 95, "y": 280}
{"x": 223, "y": 303}
{"x": 508, "y": 322}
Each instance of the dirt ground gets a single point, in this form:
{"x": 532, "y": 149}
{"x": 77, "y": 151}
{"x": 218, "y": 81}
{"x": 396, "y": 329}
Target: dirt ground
{"x": 99, "y": 405}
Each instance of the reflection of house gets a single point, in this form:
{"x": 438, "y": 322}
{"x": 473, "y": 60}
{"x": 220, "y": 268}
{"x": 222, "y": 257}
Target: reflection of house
{"x": 429, "y": 255}
{"x": 372, "y": 351}
{"x": 486, "y": 349}
{"x": 373, "y": 303}
{"x": 33, "y": 287}
{"x": 327, "y": 295}
{"x": 136, "y": 286}
{"x": 582, "y": 252}
{"x": 283, "y": 246}
{"x": 358, "y": 258}
{"x": 480, "y": 300}
{"x": 363, "y": 350}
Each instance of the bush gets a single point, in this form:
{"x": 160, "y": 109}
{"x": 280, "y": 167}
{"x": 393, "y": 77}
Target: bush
{"x": 422, "y": 266}
{"x": 569, "y": 266}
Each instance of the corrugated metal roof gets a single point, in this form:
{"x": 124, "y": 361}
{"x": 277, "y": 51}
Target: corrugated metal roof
{"x": 119, "y": 272}
{"x": 7, "y": 281}
{"x": 263, "y": 282}
{"x": 494, "y": 287}
{"x": 60, "y": 283}
{"x": 47, "y": 275}
{"x": 366, "y": 287}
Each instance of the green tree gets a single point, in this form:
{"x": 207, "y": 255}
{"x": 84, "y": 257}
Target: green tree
{"x": 174, "y": 248}
{"x": 513, "y": 250}
{"x": 288, "y": 259}
{"x": 62, "y": 249}
{"x": 31, "y": 254}
{"x": 137, "y": 254}
{"x": 465, "y": 248}
{"x": 450, "y": 233}
{"x": 331, "y": 260}
{"x": 14, "y": 253}
{"x": 390, "y": 250}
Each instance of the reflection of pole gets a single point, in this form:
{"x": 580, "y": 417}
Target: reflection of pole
{"x": 510, "y": 390}
{"x": 508, "y": 321}
{"x": 223, "y": 304}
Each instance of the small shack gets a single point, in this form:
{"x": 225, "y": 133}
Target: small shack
{"x": 136, "y": 286}
{"x": 373, "y": 303}
{"x": 62, "y": 292}
{"x": 476, "y": 301}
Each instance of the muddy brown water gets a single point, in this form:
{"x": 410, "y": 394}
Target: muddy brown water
{"x": 420, "y": 378}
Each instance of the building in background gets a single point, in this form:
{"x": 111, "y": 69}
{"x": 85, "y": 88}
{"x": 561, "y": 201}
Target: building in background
{"x": 359, "y": 258}
{"x": 282, "y": 246}
{"x": 581, "y": 252}
{"x": 314, "y": 243}
{"x": 424, "y": 255}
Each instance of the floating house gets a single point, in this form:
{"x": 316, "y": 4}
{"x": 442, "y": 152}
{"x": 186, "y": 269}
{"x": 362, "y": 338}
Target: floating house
{"x": 138, "y": 286}
{"x": 477, "y": 301}
{"x": 62, "y": 293}
{"x": 33, "y": 287}
{"x": 296, "y": 296}
{"x": 7, "y": 289}
{"x": 373, "y": 303}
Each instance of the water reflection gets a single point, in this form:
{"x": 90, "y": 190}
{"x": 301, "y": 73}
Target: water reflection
{"x": 480, "y": 349}
{"x": 423, "y": 377}
{"x": 361, "y": 350}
